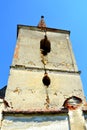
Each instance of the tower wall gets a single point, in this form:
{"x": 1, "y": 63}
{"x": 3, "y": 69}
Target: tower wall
{"x": 26, "y": 91}
{"x": 25, "y": 81}
{"x": 27, "y": 51}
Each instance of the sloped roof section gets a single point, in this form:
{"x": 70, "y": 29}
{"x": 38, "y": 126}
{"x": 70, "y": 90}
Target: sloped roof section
{"x": 2, "y": 92}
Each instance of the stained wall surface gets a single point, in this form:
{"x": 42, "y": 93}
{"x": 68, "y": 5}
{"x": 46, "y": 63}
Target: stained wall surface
{"x": 26, "y": 90}
{"x": 28, "y": 53}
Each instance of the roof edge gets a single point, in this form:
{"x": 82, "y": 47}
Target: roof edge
{"x": 39, "y": 29}
{"x": 42, "y": 112}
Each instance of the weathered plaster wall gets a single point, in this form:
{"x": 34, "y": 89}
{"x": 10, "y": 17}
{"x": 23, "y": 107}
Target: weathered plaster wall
{"x": 27, "y": 51}
{"x": 77, "y": 121}
{"x": 26, "y": 91}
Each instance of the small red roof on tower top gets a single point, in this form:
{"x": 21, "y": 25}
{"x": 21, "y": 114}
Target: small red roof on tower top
{"x": 42, "y": 22}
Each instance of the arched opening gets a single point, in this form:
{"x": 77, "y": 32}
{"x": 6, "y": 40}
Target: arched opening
{"x": 45, "y": 45}
{"x": 46, "y": 80}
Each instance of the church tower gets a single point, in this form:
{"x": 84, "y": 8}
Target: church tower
{"x": 44, "y": 81}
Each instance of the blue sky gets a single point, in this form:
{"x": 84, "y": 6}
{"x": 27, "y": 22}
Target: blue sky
{"x": 61, "y": 14}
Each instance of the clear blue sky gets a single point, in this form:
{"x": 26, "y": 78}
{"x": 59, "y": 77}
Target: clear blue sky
{"x": 62, "y": 14}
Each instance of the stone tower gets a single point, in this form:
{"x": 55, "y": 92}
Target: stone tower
{"x": 44, "y": 78}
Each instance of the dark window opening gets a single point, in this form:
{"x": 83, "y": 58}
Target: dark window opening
{"x": 45, "y": 45}
{"x": 46, "y": 80}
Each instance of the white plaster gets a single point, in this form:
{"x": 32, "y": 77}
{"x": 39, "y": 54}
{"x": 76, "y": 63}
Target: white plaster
{"x": 37, "y": 123}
